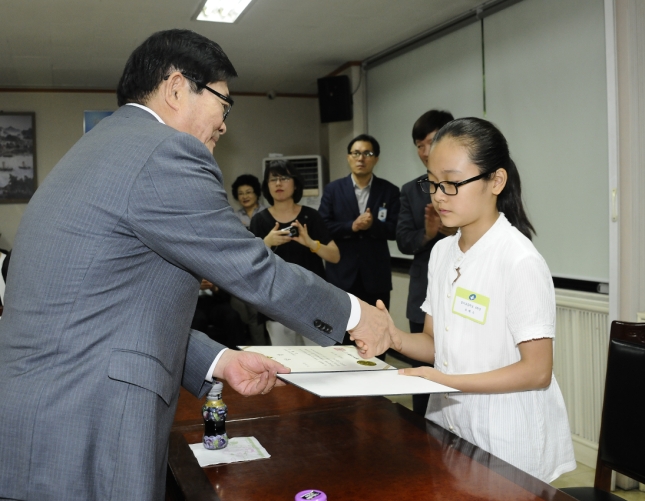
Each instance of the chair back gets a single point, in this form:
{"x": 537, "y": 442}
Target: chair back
{"x": 622, "y": 430}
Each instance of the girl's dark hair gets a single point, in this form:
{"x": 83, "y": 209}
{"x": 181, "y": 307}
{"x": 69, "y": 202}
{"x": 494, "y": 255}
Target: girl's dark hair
{"x": 166, "y": 51}
{"x": 247, "y": 180}
{"x": 487, "y": 149}
{"x": 282, "y": 168}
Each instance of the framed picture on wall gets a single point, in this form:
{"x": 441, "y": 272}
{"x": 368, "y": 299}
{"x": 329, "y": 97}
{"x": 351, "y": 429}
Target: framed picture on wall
{"x": 17, "y": 156}
{"x": 92, "y": 117}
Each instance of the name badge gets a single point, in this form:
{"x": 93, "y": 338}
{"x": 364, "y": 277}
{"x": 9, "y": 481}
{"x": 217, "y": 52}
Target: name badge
{"x": 470, "y": 305}
{"x": 382, "y": 214}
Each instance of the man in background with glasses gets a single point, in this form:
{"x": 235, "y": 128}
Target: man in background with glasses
{"x": 361, "y": 211}
{"x": 419, "y": 228}
{"x": 95, "y": 337}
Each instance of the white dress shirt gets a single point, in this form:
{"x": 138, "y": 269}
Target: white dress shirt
{"x": 362, "y": 194}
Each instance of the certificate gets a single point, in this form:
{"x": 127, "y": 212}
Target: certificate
{"x": 365, "y": 384}
{"x": 339, "y": 371}
{"x": 299, "y": 359}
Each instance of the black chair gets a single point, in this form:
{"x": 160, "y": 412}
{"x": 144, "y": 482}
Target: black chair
{"x": 622, "y": 429}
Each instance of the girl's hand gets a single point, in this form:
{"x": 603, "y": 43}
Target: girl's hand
{"x": 429, "y": 373}
{"x": 277, "y": 237}
{"x": 396, "y": 341}
{"x": 303, "y": 237}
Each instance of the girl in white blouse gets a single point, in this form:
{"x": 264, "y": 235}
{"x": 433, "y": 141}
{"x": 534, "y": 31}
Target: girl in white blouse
{"x": 490, "y": 309}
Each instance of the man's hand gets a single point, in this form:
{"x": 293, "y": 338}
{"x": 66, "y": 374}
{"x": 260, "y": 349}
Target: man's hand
{"x": 363, "y": 222}
{"x": 373, "y": 332}
{"x": 249, "y": 373}
{"x": 396, "y": 341}
{"x": 432, "y": 222}
{"x": 434, "y": 225}
{"x": 205, "y": 285}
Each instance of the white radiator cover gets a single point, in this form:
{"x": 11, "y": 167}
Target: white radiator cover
{"x": 580, "y": 364}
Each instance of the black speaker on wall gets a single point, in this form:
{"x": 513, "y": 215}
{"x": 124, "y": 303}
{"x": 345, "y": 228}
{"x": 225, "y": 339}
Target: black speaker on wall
{"x": 335, "y": 99}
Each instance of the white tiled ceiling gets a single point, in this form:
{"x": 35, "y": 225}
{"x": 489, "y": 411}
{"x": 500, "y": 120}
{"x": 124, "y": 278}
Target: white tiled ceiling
{"x": 281, "y": 45}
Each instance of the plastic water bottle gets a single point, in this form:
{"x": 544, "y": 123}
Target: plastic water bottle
{"x": 214, "y": 412}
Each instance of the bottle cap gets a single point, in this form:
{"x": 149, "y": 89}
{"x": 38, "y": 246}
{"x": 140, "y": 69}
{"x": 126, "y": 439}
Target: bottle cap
{"x": 216, "y": 389}
{"x": 311, "y": 495}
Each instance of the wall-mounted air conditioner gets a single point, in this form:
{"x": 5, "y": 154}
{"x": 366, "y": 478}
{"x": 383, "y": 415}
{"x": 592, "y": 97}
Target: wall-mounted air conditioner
{"x": 313, "y": 170}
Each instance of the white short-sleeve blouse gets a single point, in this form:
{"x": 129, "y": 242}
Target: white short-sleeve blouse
{"x": 509, "y": 282}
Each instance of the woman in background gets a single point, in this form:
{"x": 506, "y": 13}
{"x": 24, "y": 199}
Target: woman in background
{"x": 294, "y": 232}
{"x": 246, "y": 190}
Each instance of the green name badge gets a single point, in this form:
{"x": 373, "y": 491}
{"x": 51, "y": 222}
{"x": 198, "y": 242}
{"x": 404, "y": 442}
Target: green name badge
{"x": 470, "y": 305}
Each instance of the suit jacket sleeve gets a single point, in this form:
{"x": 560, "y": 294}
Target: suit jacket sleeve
{"x": 200, "y": 354}
{"x": 179, "y": 208}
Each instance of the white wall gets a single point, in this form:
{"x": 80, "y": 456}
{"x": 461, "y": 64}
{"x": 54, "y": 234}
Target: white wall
{"x": 546, "y": 85}
{"x": 336, "y": 135}
{"x": 545, "y": 82}
{"x": 256, "y": 126}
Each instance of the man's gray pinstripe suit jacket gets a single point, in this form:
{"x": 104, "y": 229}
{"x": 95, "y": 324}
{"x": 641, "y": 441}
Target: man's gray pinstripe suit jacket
{"x": 95, "y": 338}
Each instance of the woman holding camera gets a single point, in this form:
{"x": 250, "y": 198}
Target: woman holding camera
{"x": 294, "y": 232}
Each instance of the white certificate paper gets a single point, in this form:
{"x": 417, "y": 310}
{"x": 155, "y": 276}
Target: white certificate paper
{"x": 301, "y": 359}
{"x": 364, "y": 384}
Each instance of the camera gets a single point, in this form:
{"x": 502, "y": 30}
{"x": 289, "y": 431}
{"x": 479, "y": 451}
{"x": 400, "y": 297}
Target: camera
{"x": 293, "y": 231}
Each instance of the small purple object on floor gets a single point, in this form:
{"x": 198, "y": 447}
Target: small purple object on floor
{"x": 311, "y": 495}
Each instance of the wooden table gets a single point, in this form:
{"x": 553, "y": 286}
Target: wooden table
{"x": 351, "y": 448}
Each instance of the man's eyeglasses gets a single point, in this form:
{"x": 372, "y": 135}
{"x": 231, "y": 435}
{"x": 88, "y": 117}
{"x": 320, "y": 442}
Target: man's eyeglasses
{"x": 358, "y": 154}
{"x": 227, "y": 99}
{"x": 282, "y": 179}
{"x": 448, "y": 187}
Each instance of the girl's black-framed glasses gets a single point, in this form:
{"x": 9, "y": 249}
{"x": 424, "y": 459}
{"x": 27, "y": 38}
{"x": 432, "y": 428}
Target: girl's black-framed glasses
{"x": 448, "y": 187}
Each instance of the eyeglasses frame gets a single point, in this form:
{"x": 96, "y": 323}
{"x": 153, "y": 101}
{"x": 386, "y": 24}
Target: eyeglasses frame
{"x": 281, "y": 179}
{"x": 200, "y": 85}
{"x": 421, "y": 182}
{"x": 365, "y": 154}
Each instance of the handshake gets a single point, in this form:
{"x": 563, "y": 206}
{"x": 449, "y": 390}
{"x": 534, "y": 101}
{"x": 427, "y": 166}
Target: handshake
{"x": 375, "y": 332}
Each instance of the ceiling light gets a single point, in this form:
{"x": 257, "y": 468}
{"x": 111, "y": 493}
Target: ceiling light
{"x": 222, "y": 11}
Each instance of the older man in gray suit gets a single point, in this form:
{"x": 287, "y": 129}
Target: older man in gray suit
{"x": 95, "y": 338}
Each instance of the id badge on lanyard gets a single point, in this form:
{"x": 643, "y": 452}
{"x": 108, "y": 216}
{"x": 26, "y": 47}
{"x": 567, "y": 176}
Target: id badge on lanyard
{"x": 382, "y": 214}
